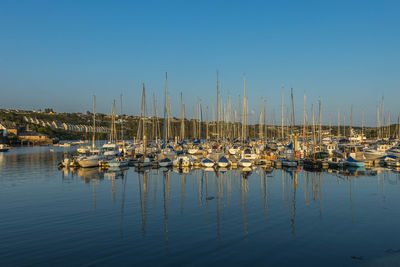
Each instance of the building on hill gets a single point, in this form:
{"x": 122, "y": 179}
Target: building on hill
{"x": 35, "y": 138}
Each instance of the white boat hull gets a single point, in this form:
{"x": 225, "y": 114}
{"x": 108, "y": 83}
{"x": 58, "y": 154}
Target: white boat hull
{"x": 87, "y": 163}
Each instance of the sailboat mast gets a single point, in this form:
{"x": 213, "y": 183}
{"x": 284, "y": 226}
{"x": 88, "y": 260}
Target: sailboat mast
{"x": 165, "y": 111}
{"x": 94, "y": 121}
{"x": 244, "y": 111}
{"x": 122, "y": 126}
{"x": 382, "y": 119}
{"x": 292, "y": 109}
{"x": 319, "y": 121}
{"x": 282, "y": 116}
{"x": 260, "y": 123}
{"x": 182, "y": 119}
{"x": 144, "y": 111}
{"x": 304, "y": 116}
{"x": 377, "y": 121}
{"x": 265, "y": 119}
{"x": 338, "y": 122}
{"x": 218, "y": 100}
{"x": 351, "y": 122}
{"x": 207, "y": 125}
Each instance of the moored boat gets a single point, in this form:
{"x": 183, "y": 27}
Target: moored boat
{"x": 353, "y": 162}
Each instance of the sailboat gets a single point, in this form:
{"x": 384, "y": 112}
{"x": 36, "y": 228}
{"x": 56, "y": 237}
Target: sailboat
{"x": 120, "y": 161}
{"x": 92, "y": 160}
{"x": 223, "y": 162}
{"x": 206, "y": 162}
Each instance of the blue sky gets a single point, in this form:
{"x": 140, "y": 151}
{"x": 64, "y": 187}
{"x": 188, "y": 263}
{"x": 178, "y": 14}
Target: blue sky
{"x": 59, "y": 53}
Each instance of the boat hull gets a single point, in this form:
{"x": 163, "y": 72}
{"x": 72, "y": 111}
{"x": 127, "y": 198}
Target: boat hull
{"x": 88, "y": 163}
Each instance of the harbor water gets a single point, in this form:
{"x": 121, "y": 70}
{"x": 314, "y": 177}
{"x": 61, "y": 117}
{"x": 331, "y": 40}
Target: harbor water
{"x": 194, "y": 217}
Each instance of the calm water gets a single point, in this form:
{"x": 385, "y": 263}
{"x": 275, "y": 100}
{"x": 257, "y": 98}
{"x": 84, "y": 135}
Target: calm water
{"x": 279, "y": 218}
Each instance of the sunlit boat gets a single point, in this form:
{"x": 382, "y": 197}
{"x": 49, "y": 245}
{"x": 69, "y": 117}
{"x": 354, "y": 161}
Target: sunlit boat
{"x": 90, "y": 161}
{"x": 223, "y": 162}
{"x": 206, "y": 162}
{"x": 244, "y": 162}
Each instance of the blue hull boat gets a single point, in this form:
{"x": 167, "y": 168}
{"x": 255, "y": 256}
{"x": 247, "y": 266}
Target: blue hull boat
{"x": 353, "y": 163}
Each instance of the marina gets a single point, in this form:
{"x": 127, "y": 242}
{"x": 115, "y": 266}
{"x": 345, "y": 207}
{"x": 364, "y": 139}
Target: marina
{"x": 169, "y": 215}
{"x": 199, "y": 133}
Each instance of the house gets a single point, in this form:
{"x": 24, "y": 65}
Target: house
{"x": 35, "y": 137}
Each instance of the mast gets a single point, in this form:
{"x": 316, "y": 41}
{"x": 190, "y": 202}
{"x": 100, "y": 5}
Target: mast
{"x": 94, "y": 121}
{"x": 377, "y": 121}
{"x": 292, "y": 107}
{"x": 113, "y": 135}
{"x": 218, "y": 100}
{"x": 382, "y": 118}
{"x": 351, "y": 122}
{"x": 260, "y": 122}
{"x": 319, "y": 121}
{"x": 244, "y": 111}
{"x": 313, "y": 129}
{"x": 239, "y": 119}
{"x": 144, "y": 111}
{"x": 265, "y": 119}
{"x": 282, "y": 136}
{"x": 153, "y": 132}
{"x": 122, "y": 126}
{"x": 338, "y": 122}
{"x": 388, "y": 130}
{"x": 182, "y": 119}
{"x": 304, "y": 116}
{"x": 207, "y": 125}
{"x": 165, "y": 111}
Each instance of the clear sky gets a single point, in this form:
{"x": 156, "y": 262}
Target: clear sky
{"x": 59, "y": 53}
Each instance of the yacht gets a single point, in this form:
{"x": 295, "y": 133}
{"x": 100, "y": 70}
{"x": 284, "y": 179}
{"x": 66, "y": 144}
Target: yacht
{"x": 206, "y": 162}
{"x": 223, "y": 162}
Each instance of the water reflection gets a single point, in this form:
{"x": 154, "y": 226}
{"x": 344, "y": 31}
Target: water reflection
{"x": 217, "y": 186}
{"x": 226, "y": 196}
{"x": 279, "y": 211}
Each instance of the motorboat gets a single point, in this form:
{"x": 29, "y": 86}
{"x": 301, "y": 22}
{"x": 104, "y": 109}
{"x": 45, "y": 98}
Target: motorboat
{"x": 111, "y": 149}
{"x": 376, "y": 152}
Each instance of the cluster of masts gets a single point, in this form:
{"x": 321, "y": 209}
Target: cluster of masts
{"x": 232, "y": 122}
